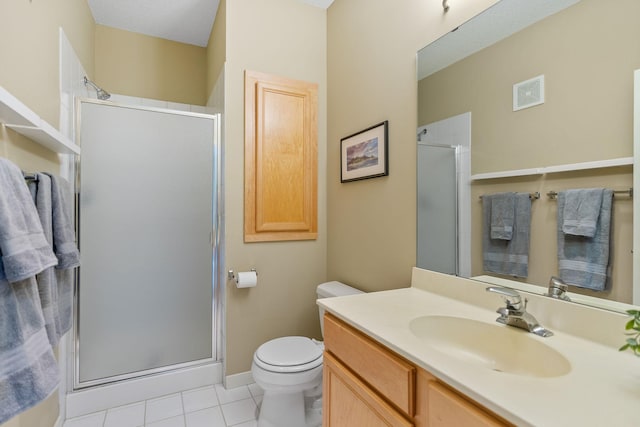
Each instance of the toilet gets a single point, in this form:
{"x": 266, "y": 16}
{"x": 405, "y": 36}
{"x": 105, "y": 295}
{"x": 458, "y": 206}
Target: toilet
{"x": 289, "y": 370}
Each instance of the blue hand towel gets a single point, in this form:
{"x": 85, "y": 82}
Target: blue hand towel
{"x": 65, "y": 248}
{"x": 503, "y": 206}
{"x": 64, "y": 238}
{"x": 25, "y": 250}
{"x": 581, "y": 211}
{"x": 584, "y": 261}
{"x": 508, "y": 257}
{"x": 46, "y": 280}
{"x": 55, "y": 285}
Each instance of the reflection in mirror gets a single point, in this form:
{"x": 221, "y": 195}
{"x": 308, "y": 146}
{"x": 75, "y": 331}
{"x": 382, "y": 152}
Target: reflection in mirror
{"x": 576, "y": 133}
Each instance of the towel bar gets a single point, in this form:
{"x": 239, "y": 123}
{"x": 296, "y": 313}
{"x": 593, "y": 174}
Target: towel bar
{"x": 30, "y": 176}
{"x": 553, "y": 195}
{"x": 533, "y": 196}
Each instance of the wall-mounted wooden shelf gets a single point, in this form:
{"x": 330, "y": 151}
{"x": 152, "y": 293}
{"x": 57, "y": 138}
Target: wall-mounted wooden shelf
{"x": 569, "y": 167}
{"x": 506, "y": 174}
{"x": 18, "y": 117}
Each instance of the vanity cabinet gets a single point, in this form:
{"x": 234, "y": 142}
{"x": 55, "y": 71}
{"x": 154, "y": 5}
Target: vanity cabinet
{"x": 366, "y": 384}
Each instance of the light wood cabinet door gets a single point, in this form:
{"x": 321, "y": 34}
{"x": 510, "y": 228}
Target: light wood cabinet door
{"x": 348, "y": 402}
{"x": 281, "y": 159}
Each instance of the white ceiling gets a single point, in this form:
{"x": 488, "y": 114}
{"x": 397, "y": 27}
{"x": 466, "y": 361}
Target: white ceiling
{"x": 184, "y": 21}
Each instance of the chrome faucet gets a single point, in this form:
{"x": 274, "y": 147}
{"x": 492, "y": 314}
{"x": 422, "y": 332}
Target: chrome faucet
{"x": 515, "y": 312}
{"x": 558, "y": 289}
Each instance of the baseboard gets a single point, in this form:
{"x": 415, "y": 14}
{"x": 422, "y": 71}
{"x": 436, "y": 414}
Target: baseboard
{"x": 100, "y": 398}
{"x": 237, "y": 380}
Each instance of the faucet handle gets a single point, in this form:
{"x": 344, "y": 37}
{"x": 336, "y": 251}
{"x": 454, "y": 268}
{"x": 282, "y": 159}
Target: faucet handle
{"x": 511, "y": 297}
{"x": 558, "y": 289}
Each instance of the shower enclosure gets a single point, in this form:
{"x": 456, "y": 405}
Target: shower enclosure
{"x": 148, "y": 206}
{"x": 437, "y": 213}
{"x": 444, "y": 195}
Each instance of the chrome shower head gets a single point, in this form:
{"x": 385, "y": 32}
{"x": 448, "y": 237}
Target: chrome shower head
{"x": 100, "y": 93}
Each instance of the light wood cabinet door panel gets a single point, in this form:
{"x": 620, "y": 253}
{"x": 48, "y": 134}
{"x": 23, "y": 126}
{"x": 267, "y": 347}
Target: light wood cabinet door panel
{"x": 348, "y": 402}
{"x": 281, "y": 133}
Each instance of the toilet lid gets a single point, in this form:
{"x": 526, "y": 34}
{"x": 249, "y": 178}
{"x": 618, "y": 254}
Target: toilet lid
{"x": 289, "y": 351}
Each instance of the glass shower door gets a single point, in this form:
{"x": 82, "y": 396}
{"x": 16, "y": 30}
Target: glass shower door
{"x": 437, "y": 210}
{"x": 145, "y": 290}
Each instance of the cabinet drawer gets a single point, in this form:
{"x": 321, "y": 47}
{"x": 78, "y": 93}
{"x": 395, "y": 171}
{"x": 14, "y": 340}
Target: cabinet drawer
{"x": 447, "y": 408}
{"x": 350, "y": 402}
{"x": 390, "y": 375}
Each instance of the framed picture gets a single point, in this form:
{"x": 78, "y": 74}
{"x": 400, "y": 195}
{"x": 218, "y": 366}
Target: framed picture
{"x": 364, "y": 154}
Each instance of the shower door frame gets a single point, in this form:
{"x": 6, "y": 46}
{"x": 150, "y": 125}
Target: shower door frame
{"x": 216, "y": 240}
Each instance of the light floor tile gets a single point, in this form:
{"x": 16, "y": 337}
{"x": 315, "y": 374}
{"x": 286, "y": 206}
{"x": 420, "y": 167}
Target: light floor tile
{"x": 210, "y": 417}
{"x": 164, "y": 407}
{"x": 232, "y": 394}
{"x": 258, "y": 399}
{"x": 126, "y": 416}
{"x": 255, "y": 390}
{"x": 168, "y": 422}
{"x": 211, "y": 406}
{"x": 92, "y": 420}
{"x": 239, "y": 411}
{"x": 201, "y": 398}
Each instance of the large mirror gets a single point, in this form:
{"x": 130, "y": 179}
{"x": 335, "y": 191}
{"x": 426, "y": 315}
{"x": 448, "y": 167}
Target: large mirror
{"x": 541, "y": 94}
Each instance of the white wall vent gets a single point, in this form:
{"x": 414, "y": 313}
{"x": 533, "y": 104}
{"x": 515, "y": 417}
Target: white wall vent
{"x": 528, "y": 93}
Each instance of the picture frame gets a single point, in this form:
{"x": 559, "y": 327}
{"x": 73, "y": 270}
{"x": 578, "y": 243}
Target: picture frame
{"x": 365, "y": 154}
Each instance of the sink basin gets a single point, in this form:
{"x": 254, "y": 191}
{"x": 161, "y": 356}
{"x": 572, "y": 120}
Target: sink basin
{"x": 496, "y": 347}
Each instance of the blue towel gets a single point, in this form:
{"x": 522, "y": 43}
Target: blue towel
{"x": 55, "y": 285}
{"x": 584, "y": 261}
{"x": 503, "y": 207}
{"x": 46, "y": 280}
{"x": 64, "y": 238}
{"x": 25, "y": 250}
{"x": 508, "y": 257}
{"x": 581, "y": 211}
{"x": 65, "y": 248}
{"x": 28, "y": 368}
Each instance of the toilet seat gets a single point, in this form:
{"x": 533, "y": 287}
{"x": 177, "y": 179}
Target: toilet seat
{"x": 289, "y": 355}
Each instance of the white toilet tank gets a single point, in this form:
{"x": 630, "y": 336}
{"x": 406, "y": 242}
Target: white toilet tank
{"x": 332, "y": 289}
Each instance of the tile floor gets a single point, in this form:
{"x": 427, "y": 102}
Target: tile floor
{"x": 212, "y": 406}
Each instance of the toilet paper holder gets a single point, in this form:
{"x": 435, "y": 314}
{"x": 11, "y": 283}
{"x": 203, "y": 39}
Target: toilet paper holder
{"x": 232, "y": 276}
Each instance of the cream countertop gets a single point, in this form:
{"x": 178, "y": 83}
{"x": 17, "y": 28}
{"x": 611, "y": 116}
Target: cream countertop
{"x": 602, "y": 388}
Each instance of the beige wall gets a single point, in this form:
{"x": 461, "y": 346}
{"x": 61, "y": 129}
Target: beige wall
{"x": 588, "y": 88}
{"x": 372, "y": 46}
{"x": 133, "y": 64}
{"x": 29, "y": 48}
{"x": 587, "y": 116}
{"x": 29, "y": 39}
{"x": 286, "y": 38}
{"x": 216, "y": 48}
